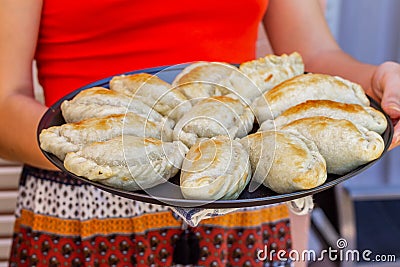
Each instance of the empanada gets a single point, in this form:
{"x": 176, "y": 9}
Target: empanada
{"x": 271, "y": 70}
{"x": 307, "y": 87}
{"x": 216, "y": 168}
{"x": 220, "y": 115}
{"x": 203, "y": 79}
{"x": 128, "y": 162}
{"x": 70, "y": 137}
{"x": 343, "y": 145}
{"x": 285, "y": 162}
{"x": 154, "y": 92}
{"x": 367, "y": 117}
{"x": 99, "y": 102}
{"x": 242, "y": 87}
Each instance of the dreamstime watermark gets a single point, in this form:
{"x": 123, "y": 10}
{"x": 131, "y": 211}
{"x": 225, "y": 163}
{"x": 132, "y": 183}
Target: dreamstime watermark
{"x": 339, "y": 254}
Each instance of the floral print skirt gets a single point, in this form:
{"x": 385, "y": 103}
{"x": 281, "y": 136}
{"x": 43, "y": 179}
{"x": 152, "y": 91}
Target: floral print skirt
{"x": 61, "y": 221}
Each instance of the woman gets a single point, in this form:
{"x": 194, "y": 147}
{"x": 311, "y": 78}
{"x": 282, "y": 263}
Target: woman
{"x": 59, "y": 220}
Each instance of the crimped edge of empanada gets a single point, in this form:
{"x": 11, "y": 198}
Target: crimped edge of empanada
{"x": 212, "y": 185}
{"x": 125, "y": 175}
{"x": 310, "y": 174}
{"x": 371, "y": 119}
{"x": 243, "y": 126}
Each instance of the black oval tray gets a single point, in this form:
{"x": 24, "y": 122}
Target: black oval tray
{"x": 169, "y": 193}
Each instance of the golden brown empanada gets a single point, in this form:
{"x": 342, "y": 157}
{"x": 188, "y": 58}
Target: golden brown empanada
{"x": 219, "y": 115}
{"x": 307, "y": 87}
{"x": 154, "y": 92}
{"x": 216, "y": 168}
{"x": 367, "y": 117}
{"x": 203, "y": 79}
{"x": 343, "y": 145}
{"x": 207, "y": 79}
{"x": 128, "y": 162}
{"x": 285, "y": 161}
{"x": 70, "y": 137}
{"x": 271, "y": 70}
{"x": 99, "y": 102}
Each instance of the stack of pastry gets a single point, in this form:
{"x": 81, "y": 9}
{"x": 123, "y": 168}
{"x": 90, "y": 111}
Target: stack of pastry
{"x": 144, "y": 130}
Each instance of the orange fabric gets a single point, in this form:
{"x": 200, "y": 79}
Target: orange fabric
{"x": 143, "y": 223}
{"x": 250, "y": 218}
{"x": 83, "y": 41}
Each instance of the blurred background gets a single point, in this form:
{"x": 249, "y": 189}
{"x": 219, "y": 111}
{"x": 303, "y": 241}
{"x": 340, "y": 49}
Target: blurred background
{"x": 365, "y": 210}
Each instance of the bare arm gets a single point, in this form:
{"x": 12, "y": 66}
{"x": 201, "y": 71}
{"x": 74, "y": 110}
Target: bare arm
{"x": 19, "y": 111}
{"x": 300, "y": 26}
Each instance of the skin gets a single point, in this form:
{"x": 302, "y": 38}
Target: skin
{"x": 19, "y": 21}
{"x": 290, "y": 25}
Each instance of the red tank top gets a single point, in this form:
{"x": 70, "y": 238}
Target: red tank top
{"x": 83, "y": 41}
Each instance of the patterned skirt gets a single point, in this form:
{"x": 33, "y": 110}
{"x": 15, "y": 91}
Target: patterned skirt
{"x": 64, "y": 222}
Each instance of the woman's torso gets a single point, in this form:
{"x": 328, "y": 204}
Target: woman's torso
{"x": 82, "y": 41}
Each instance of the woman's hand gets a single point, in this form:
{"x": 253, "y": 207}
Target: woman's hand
{"x": 385, "y": 87}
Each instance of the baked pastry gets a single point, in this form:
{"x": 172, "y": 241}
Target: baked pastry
{"x": 271, "y": 70}
{"x": 206, "y": 79}
{"x": 285, "y": 162}
{"x": 219, "y": 115}
{"x": 99, "y": 102}
{"x": 203, "y": 79}
{"x": 343, "y": 145}
{"x": 216, "y": 168}
{"x": 128, "y": 162}
{"x": 241, "y": 87}
{"x": 70, "y": 137}
{"x": 367, "y": 117}
{"x": 154, "y": 92}
{"x": 307, "y": 87}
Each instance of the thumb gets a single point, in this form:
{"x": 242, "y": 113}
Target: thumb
{"x": 387, "y": 81}
{"x": 391, "y": 105}
{"x": 390, "y": 102}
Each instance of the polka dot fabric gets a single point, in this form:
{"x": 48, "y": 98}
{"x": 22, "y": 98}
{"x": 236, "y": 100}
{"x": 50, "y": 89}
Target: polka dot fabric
{"x": 63, "y": 222}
